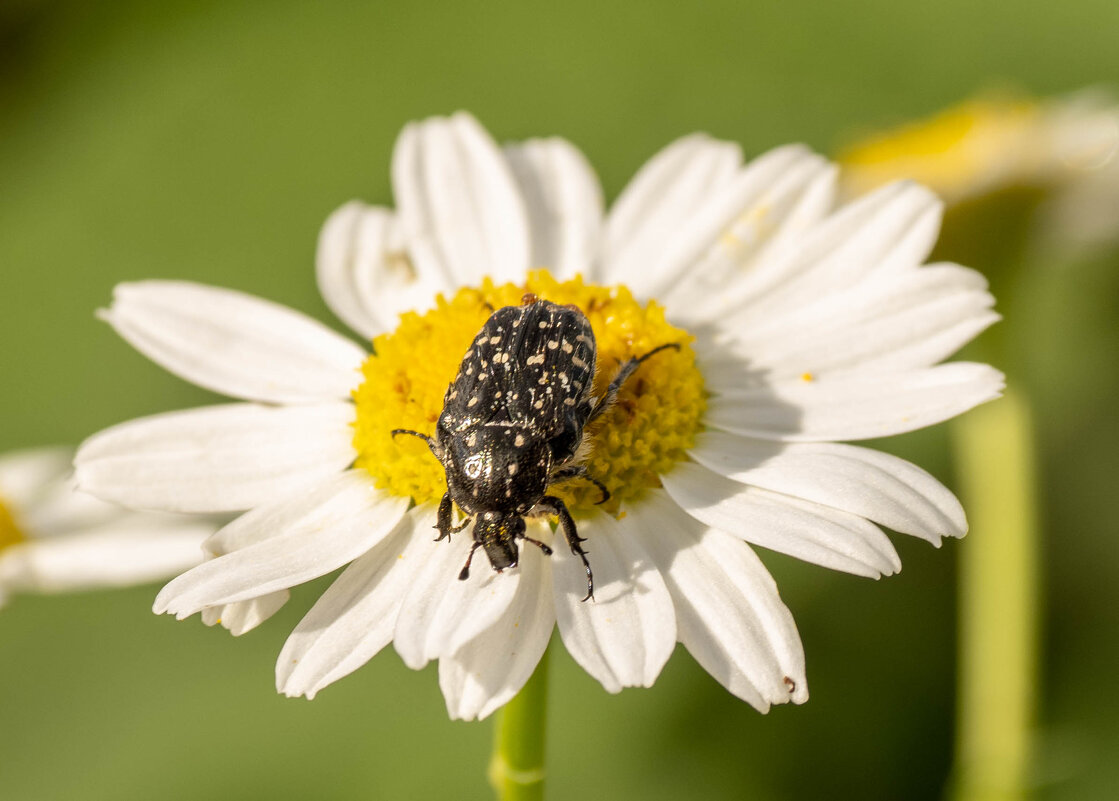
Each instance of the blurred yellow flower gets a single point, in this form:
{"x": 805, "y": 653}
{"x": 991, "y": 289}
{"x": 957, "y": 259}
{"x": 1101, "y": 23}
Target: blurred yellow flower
{"x": 1064, "y": 151}
{"x": 56, "y": 539}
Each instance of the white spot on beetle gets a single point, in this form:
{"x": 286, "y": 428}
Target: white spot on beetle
{"x": 519, "y": 441}
{"x": 537, "y": 359}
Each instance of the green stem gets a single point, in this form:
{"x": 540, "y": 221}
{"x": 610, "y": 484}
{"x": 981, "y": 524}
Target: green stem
{"x": 999, "y": 623}
{"x": 517, "y": 766}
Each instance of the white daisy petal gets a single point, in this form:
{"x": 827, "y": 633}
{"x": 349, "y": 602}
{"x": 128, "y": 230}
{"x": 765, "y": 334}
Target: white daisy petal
{"x": 354, "y": 241}
{"x": 737, "y": 218}
{"x": 218, "y": 458}
{"x": 666, "y": 190}
{"x": 133, "y": 549}
{"x": 458, "y": 202}
{"x": 235, "y": 344}
{"x": 440, "y": 613}
{"x": 760, "y": 234}
{"x": 354, "y": 619}
{"x": 880, "y": 487}
{"x": 364, "y": 272}
{"x": 289, "y": 542}
{"x": 28, "y": 475}
{"x": 853, "y": 406}
{"x": 244, "y": 616}
{"x": 901, "y": 320}
{"x": 491, "y": 668}
{"x": 563, "y": 200}
{"x": 890, "y": 229}
{"x": 37, "y": 484}
{"x": 729, "y": 614}
{"x": 60, "y": 509}
{"x": 809, "y": 531}
{"x": 240, "y": 617}
{"x": 626, "y": 634}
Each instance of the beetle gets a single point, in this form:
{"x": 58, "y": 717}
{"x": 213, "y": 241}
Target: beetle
{"x": 512, "y": 426}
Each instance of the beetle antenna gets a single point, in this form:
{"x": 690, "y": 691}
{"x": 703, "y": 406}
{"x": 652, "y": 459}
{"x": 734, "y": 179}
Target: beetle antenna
{"x": 424, "y": 437}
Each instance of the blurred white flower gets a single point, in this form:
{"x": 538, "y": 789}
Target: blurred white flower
{"x": 56, "y": 539}
{"x": 1065, "y": 149}
{"x": 802, "y": 324}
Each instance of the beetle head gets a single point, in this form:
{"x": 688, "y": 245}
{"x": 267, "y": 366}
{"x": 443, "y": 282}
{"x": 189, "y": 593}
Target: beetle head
{"x": 498, "y": 534}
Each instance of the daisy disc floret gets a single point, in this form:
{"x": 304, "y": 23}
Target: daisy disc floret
{"x": 799, "y": 324}
{"x": 650, "y": 427}
{"x": 10, "y": 533}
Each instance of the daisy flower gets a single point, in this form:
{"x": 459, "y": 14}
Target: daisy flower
{"x": 1062, "y": 151}
{"x": 799, "y": 324}
{"x": 55, "y": 539}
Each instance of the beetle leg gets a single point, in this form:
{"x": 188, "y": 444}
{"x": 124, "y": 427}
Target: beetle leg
{"x": 580, "y": 471}
{"x": 550, "y": 504}
{"x": 464, "y": 574}
{"x": 627, "y": 369}
{"x": 544, "y": 548}
{"x": 443, "y": 520}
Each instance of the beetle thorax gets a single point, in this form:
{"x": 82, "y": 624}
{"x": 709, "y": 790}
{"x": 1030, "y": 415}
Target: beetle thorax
{"x": 502, "y": 467}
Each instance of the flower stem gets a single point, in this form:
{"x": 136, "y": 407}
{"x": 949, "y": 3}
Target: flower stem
{"x": 516, "y": 769}
{"x": 999, "y": 623}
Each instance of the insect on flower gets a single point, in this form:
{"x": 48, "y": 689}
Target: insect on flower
{"x": 512, "y": 426}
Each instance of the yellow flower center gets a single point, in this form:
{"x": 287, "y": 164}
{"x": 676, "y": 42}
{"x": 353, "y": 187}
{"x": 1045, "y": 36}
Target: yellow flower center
{"x": 978, "y": 145}
{"x": 648, "y": 429}
{"x": 10, "y": 533}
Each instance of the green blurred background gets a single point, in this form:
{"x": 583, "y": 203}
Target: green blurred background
{"x": 208, "y": 141}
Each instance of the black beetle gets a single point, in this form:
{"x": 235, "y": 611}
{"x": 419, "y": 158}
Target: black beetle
{"x": 512, "y": 426}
